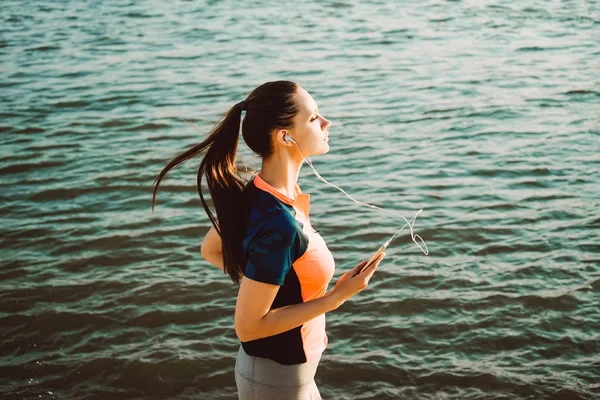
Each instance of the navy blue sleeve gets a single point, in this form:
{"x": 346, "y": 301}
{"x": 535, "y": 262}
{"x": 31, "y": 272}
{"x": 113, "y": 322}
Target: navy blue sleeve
{"x": 271, "y": 252}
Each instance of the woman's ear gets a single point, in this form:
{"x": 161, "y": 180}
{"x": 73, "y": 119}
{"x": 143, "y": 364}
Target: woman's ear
{"x": 283, "y": 137}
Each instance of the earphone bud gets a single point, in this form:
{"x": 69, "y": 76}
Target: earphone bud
{"x": 287, "y": 138}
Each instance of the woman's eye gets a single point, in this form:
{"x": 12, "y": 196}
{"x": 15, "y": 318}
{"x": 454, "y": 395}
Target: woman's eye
{"x": 314, "y": 119}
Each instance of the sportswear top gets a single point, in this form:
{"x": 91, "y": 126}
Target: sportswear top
{"x": 280, "y": 247}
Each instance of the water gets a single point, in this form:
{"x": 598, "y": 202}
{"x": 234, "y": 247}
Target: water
{"x": 484, "y": 114}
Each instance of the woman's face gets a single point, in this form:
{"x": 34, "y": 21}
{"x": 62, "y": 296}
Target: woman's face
{"x": 310, "y": 127}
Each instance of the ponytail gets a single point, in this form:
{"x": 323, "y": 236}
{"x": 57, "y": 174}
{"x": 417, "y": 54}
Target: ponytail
{"x": 225, "y": 185}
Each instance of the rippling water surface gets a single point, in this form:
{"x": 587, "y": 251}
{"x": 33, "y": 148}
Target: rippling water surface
{"x": 483, "y": 113}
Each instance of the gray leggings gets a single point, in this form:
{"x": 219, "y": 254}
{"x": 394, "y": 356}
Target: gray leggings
{"x": 259, "y": 378}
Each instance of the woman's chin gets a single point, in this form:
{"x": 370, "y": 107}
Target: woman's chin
{"x": 325, "y": 148}
{"x": 322, "y": 150}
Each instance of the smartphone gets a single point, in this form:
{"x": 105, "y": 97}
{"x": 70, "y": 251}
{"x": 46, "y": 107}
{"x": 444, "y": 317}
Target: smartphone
{"x": 381, "y": 250}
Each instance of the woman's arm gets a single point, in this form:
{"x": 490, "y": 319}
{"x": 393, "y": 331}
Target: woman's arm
{"x": 211, "y": 249}
{"x": 255, "y": 320}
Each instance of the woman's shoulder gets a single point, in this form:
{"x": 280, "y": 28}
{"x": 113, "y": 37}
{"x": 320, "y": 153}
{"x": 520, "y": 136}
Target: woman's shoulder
{"x": 273, "y": 222}
{"x": 264, "y": 205}
{"x": 268, "y": 213}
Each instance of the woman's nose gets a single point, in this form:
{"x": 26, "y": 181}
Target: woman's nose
{"x": 326, "y": 124}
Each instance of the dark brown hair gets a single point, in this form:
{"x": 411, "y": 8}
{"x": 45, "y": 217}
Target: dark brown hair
{"x": 269, "y": 107}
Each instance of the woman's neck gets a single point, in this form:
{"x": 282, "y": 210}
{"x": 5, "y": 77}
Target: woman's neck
{"x": 281, "y": 171}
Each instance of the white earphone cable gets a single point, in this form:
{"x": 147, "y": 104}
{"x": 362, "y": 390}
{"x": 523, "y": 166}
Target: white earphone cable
{"x": 410, "y": 225}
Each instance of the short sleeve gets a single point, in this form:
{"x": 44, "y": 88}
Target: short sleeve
{"x": 271, "y": 253}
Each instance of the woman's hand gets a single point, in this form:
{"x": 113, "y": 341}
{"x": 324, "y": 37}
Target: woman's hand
{"x": 354, "y": 281}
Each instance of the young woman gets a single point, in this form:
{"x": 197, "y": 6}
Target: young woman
{"x": 263, "y": 239}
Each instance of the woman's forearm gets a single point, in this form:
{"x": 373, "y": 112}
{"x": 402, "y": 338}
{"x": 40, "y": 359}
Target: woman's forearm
{"x": 289, "y": 317}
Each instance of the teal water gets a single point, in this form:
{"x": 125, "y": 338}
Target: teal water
{"x": 484, "y": 114}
